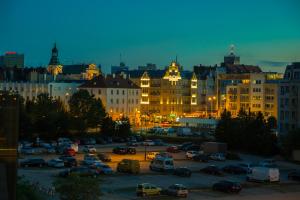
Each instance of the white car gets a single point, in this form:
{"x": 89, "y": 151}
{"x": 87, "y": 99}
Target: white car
{"x": 89, "y": 149}
{"x": 148, "y": 143}
{"x": 218, "y": 157}
{"x": 191, "y": 154}
{"x": 56, "y": 163}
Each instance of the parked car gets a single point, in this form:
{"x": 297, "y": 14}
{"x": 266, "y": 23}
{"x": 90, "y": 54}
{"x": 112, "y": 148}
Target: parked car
{"x": 80, "y": 171}
{"x": 191, "y": 154}
{"x": 193, "y": 148}
{"x": 234, "y": 169}
{"x": 212, "y": 169}
{"x": 100, "y": 140}
{"x": 119, "y": 140}
{"x": 148, "y": 143}
{"x": 164, "y": 155}
{"x": 90, "y": 159}
{"x": 88, "y": 141}
{"x": 201, "y": 158}
{"x": 69, "y": 152}
{"x": 28, "y": 150}
{"x": 147, "y": 189}
{"x": 227, "y": 186}
{"x": 247, "y": 166}
{"x": 102, "y": 168}
{"x": 173, "y": 149}
{"x": 69, "y": 161}
{"x": 50, "y": 150}
{"x": 120, "y": 150}
{"x": 294, "y": 175}
{"x": 104, "y": 157}
{"x": 232, "y": 156}
{"x": 182, "y": 171}
{"x": 177, "y": 190}
{"x": 151, "y": 155}
{"x": 184, "y": 145}
{"x": 133, "y": 144}
{"x": 218, "y": 156}
{"x": 270, "y": 163}
{"x": 158, "y": 142}
{"x": 131, "y": 150}
{"x": 162, "y": 164}
{"x": 58, "y": 163}
{"x": 33, "y": 162}
{"x": 89, "y": 149}
{"x": 129, "y": 166}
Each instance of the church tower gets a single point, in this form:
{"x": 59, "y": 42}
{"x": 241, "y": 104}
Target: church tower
{"x": 54, "y": 66}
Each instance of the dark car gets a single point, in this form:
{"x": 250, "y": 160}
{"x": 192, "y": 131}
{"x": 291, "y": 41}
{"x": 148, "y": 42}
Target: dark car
{"x": 233, "y": 169}
{"x": 172, "y": 149}
{"x": 33, "y": 162}
{"x": 132, "y": 143}
{"x": 158, "y": 142}
{"x": 100, "y": 140}
{"x": 119, "y": 140}
{"x": 120, "y": 150}
{"x": 104, "y": 157}
{"x": 131, "y": 150}
{"x": 201, "y": 158}
{"x": 227, "y": 186}
{"x": 69, "y": 161}
{"x": 80, "y": 171}
{"x": 184, "y": 145}
{"x": 294, "y": 175}
{"x": 182, "y": 171}
{"x": 212, "y": 170}
{"x": 192, "y": 148}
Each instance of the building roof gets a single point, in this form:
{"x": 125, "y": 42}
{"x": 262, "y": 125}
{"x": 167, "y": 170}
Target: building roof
{"x": 74, "y": 69}
{"x": 152, "y": 73}
{"x": 109, "y": 81}
{"x": 241, "y": 69}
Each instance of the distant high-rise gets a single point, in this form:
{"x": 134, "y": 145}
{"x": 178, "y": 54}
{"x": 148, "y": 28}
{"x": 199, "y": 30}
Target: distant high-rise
{"x": 12, "y": 59}
{"x": 149, "y": 66}
{"x": 119, "y": 69}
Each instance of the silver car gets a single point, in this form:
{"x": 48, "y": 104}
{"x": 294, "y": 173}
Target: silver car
{"x": 178, "y": 190}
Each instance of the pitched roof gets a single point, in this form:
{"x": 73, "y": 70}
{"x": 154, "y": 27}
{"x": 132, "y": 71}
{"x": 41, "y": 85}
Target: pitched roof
{"x": 240, "y": 69}
{"x": 152, "y": 73}
{"x": 74, "y": 69}
{"x": 109, "y": 81}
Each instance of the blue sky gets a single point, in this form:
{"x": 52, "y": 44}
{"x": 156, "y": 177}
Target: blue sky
{"x": 265, "y": 32}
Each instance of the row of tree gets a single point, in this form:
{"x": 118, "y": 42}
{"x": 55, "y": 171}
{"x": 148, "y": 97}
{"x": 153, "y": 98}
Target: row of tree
{"x": 48, "y": 118}
{"x": 248, "y": 132}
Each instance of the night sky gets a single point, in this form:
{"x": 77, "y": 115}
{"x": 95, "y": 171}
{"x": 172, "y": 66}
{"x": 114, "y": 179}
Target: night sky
{"x": 265, "y": 32}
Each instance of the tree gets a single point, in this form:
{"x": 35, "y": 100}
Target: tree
{"x": 86, "y": 111}
{"x": 76, "y": 187}
{"x": 25, "y": 191}
{"x": 108, "y": 126}
{"x": 46, "y": 117}
{"x": 123, "y": 127}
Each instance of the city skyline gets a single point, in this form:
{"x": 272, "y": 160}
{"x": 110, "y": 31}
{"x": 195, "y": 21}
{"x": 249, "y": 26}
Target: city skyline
{"x": 198, "y": 33}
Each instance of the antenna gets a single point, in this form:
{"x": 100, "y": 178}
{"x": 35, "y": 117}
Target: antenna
{"x": 231, "y": 49}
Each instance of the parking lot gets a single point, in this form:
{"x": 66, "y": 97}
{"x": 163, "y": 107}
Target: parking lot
{"x": 122, "y": 186}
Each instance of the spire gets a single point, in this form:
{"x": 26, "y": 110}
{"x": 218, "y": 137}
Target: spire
{"x": 231, "y": 49}
{"x": 54, "y": 56}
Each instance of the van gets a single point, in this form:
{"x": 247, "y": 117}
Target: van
{"x": 129, "y": 166}
{"x": 163, "y": 164}
{"x": 264, "y": 174}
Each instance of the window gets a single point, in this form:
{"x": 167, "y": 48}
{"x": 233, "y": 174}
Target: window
{"x": 111, "y": 101}
{"x": 123, "y": 92}
{"x": 117, "y": 91}
{"x": 137, "y": 92}
{"x": 99, "y": 91}
{"x": 117, "y": 101}
{"x": 137, "y": 101}
{"x": 111, "y": 92}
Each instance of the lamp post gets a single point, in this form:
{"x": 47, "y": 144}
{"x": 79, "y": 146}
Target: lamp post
{"x": 209, "y": 99}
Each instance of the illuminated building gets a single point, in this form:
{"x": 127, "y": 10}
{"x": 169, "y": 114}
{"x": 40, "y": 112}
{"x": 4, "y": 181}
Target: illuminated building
{"x": 119, "y": 95}
{"x": 257, "y": 92}
{"x": 166, "y": 94}
{"x": 28, "y": 90}
{"x": 289, "y": 99}
{"x": 12, "y": 60}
